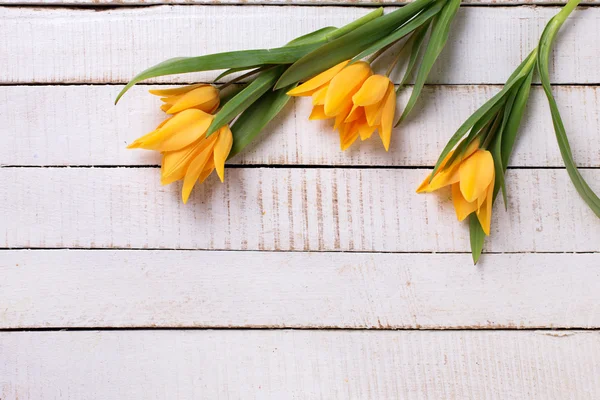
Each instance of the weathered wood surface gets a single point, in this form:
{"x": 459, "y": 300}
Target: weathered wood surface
{"x": 346, "y": 3}
{"x": 61, "y": 45}
{"x": 137, "y": 288}
{"x": 283, "y": 209}
{"x": 300, "y": 364}
{"x": 79, "y": 125}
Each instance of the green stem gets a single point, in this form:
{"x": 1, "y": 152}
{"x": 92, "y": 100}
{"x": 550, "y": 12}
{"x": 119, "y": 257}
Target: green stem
{"x": 566, "y": 10}
{"x": 355, "y": 24}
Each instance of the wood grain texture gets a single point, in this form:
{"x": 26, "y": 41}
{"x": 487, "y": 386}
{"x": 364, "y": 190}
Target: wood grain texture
{"x": 283, "y": 209}
{"x": 136, "y": 288}
{"x": 299, "y": 364}
{"x": 347, "y": 3}
{"x": 90, "y": 46}
{"x": 79, "y": 125}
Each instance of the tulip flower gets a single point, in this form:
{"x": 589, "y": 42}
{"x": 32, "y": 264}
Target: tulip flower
{"x": 355, "y": 98}
{"x": 472, "y": 179}
{"x": 187, "y": 152}
{"x": 201, "y": 96}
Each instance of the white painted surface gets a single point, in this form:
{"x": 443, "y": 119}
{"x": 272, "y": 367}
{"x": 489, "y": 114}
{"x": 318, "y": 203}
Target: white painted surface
{"x": 79, "y": 125}
{"x": 234, "y": 364}
{"x": 99, "y": 3}
{"x": 283, "y": 209}
{"x": 365, "y": 211}
{"x": 79, "y": 45}
{"x": 137, "y": 288}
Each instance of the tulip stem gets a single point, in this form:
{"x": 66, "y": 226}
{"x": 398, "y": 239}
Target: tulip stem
{"x": 397, "y": 59}
{"x": 246, "y": 75}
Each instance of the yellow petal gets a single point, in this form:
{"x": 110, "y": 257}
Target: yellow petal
{"x": 183, "y": 129}
{"x": 317, "y": 113}
{"x": 387, "y": 116}
{"x": 176, "y": 91}
{"x": 310, "y": 86}
{"x": 222, "y": 149}
{"x": 356, "y": 113}
{"x": 193, "y": 172}
{"x": 484, "y": 214}
{"x": 372, "y": 90}
{"x": 339, "y": 119}
{"x": 447, "y": 175}
{"x": 471, "y": 148}
{"x": 318, "y": 97}
{"x": 374, "y": 113}
{"x": 348, "y": 135}
{"x": 365, "y": 130}
{"x": 204, "y": 95}
{"x": 344, "y": 85}
{"x": 175, "y": 163}
{"x": 208, "y": 169}
{"x": 462, "y": 207}
{"x": 475, "y": 174}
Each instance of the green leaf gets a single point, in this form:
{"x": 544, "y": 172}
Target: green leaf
{"x": 233, "y": 59}
{"x": 244, "y": 99}
{"x": 317, "y": 36}
{"x": 350, "y": 44}
{"x": 248, "y": 59}
{"x": 545, "y": 46}
{"x": 503, "y": 146}
{"x": 417, "y": 41}
{"x": 252, "y": 121}
{"x": 477, "y": 237}
{"x": 437, "y": 41}
{"x": 355, "y": 24}
{"x": 517, "y": 76}
{"x": 511, "y": 129}
{"x": 424, "y": 17}
{"x": 230, "y": 71}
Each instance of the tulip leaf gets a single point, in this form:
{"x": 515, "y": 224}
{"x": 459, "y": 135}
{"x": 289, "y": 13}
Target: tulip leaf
{"x": 477, "y": 236}
{"x": 350, "y": 44}
{"x": 517, "y": 76}
{"x": 509, "y": 133}
{"x": 230, "y": 71}
{"x": 313, "y": 37}
{"x": 252, "y": 121}
{"x": 503, "y": 145}
{"x": 248, "y": 59}
{"x": 233, "y": 59}
{"x": 424, "y": 17}
{"x": 545, "y": 46}
{"x": 244, "y": 99}
{"x": 417, "y": 41}
{"x": 437, "y": 41}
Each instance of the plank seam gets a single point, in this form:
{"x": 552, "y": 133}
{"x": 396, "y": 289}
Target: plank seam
{"x": 278, "y": 166}
{"x": 546, "y": 330}
{"x": 110, "y": 7}
{"x": 279, "y": 251}
{"x": 182, "y": 83}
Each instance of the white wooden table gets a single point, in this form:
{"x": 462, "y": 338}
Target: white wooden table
{"x": 310, "y": 273}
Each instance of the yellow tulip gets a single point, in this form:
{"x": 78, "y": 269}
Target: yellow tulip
{"x": 360, "y": 102}
{"x": 376, "y": 101}
{"x": 472, "y": 179}
{"x": 186, "y": 151}
{"x": 335, "y": 93}
{"x": 200, "y": 96}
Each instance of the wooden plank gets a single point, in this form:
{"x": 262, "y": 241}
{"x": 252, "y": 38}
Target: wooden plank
{"x": 136, "y": 288}
{"x": 283, "y": 209}
{"x": 55, "y": 45}
{"x": 78, "y": 125}
{"x": 300, "y": 364}
{"x": 347, "y": 3}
